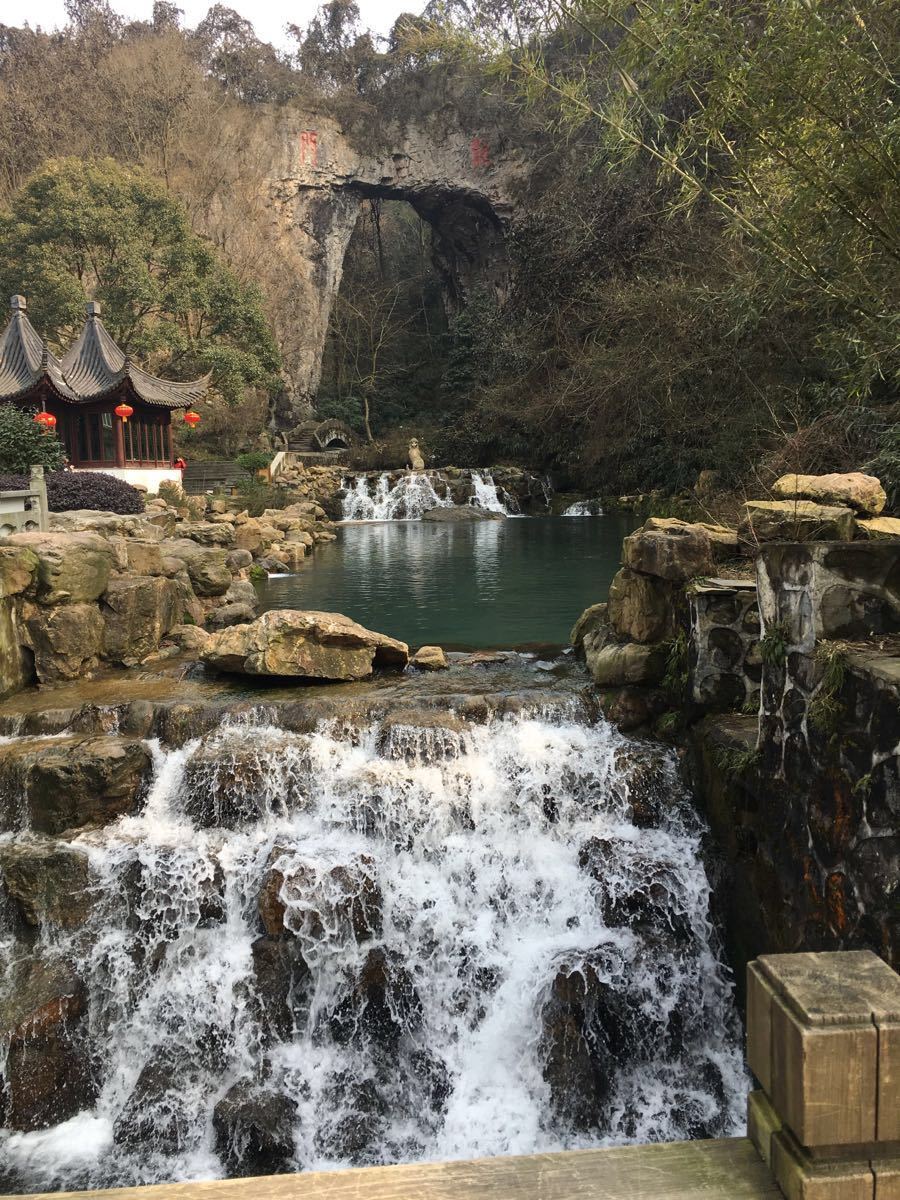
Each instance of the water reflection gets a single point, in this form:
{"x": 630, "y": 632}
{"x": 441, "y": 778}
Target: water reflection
{"x": 492, "y": 583}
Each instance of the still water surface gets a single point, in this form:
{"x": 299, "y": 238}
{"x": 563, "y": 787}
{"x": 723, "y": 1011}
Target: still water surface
{"x": 501, "y": 584}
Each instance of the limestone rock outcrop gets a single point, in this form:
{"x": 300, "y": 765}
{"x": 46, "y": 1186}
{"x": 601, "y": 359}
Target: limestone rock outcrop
{"x": 138, "y": 611}
{"x": 670, "y": 550}
{"x": 66, "y": 640}
{"x": 309, "y": 645}
{"x": 863, "y": 493}
{"x": 642, "y": 607}
{"x": 794, "y": 521}
{"x": 206, "y": 566}
{"x": 72, "y": 568}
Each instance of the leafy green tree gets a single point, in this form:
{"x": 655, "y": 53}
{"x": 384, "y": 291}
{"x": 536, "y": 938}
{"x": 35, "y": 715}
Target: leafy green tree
{"x": 779, "y": 115}
{"x": 98, "y": 230}
{"x": 24, "y": 445}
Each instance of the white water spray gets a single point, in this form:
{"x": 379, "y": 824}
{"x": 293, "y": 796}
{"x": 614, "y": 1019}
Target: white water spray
{"x": 410, "y": 497}
{"x": 368, "y": 499}
{"x": 584, "y": 508}
{"x": 441, "y": 887}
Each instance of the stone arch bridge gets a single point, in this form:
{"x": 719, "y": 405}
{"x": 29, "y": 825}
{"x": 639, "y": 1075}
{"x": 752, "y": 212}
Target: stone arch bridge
{"x": 459, "y": 181}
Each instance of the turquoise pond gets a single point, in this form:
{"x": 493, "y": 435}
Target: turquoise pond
{"x": 517, "y": 583}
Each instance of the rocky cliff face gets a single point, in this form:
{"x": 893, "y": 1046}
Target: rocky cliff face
{"x": 459, "y": 181}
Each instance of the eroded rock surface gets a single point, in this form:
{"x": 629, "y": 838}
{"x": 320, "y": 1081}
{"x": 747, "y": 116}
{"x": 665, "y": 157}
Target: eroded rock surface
{"x": 310, "y": 645}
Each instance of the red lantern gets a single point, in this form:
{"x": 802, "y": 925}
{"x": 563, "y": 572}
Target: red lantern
{"x": 46, "y": 420}
{"x": 191, "y": 418}
{"x": 124, "y": 411}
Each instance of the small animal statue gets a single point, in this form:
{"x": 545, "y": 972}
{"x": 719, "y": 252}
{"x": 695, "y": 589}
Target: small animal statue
{"x": 416, "y": 461}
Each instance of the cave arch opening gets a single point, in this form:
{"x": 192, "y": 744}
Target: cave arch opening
{"x": 413, "y": 265}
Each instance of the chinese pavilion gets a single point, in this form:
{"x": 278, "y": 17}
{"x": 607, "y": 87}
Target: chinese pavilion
{"x": 110, "y": 414}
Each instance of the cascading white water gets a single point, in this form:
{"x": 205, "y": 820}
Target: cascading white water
{"x": 486, "y": 494}
{"x": 437, "y": 890}
{"x": 410, "y": 497}
{"x": 414, "y": 494}
{"x": 584, "y": 508}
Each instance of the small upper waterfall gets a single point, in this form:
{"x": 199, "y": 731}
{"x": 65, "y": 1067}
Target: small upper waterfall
{"x": 405, "y": 497}
{"x": 410, "y": 496}
{"x": 372, "y": 943}
{"x": 584, "y": 508}
{"x": 486, "y": 494}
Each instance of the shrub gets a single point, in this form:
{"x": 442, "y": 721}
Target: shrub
{"x": 254, "y": 460}
{"x": 68, "y": 490}
{"x": 24, "y": 445}
{"x": 257, "y": 496}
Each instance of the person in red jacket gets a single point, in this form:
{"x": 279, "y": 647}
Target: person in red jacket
{"x": 179, "y": 464}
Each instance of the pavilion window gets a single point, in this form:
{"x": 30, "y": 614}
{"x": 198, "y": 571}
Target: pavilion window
{"x": 108, "y": 438}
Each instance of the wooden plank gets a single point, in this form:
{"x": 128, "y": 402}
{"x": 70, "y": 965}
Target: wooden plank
{"x": 727, "y": 1169}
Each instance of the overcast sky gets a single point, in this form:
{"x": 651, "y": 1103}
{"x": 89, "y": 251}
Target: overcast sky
{"x": 268, "y": 16}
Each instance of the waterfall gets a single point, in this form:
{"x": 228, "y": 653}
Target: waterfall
{"x": 382, "y": 936}
{"x": 415, "y": 493}
{"x": 486, "y": 495}
{"x": 584, "y": 508}
{"x": 406, "y": 500}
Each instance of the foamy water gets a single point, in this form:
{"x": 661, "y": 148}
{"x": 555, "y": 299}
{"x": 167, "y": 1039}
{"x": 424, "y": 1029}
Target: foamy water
{"x": 456, "y": 856}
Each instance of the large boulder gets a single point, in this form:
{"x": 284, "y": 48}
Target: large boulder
{"x": 208, "y": 533}
{"x": 70, "y": 782}
{"x": 49, "y": 881}
{"x": 206, "y": 566}
{"x": 254, "y": 1130}
{"x": 138, "y": 611}
{"x": 67, "y": 640}
{"x": 310, "y": 645}
{"x": 47, "y": 1076}
{"x": 669, "y": 550}
{"x": 724, "y": 541}
{"x": 863, "y": 493}
{"x": 614, "y": 665}
{"x": 73, "y": 568}
{"x": 642, "y": 607}
{"x": 794, "y": 521}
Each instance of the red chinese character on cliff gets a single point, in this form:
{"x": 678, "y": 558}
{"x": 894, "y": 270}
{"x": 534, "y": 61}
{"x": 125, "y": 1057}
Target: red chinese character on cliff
{"x": 481, "y": 153}
{"x": 309, "y": 148}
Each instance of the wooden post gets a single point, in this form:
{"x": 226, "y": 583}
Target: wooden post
{"x": 823, "y": 1039}
{"x": 120, "y": 441}
{"x": 171, "y": 441}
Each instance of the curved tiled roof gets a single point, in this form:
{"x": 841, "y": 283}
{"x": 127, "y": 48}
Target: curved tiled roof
{"x": 25, "y": 359}
{"x": 92, "y": 368}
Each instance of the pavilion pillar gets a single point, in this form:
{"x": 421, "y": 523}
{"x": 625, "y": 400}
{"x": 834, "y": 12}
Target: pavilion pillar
{"x": 170, "y": 441}
{"x": 823, "y": 1040}
{"x": 120, "y": 441}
